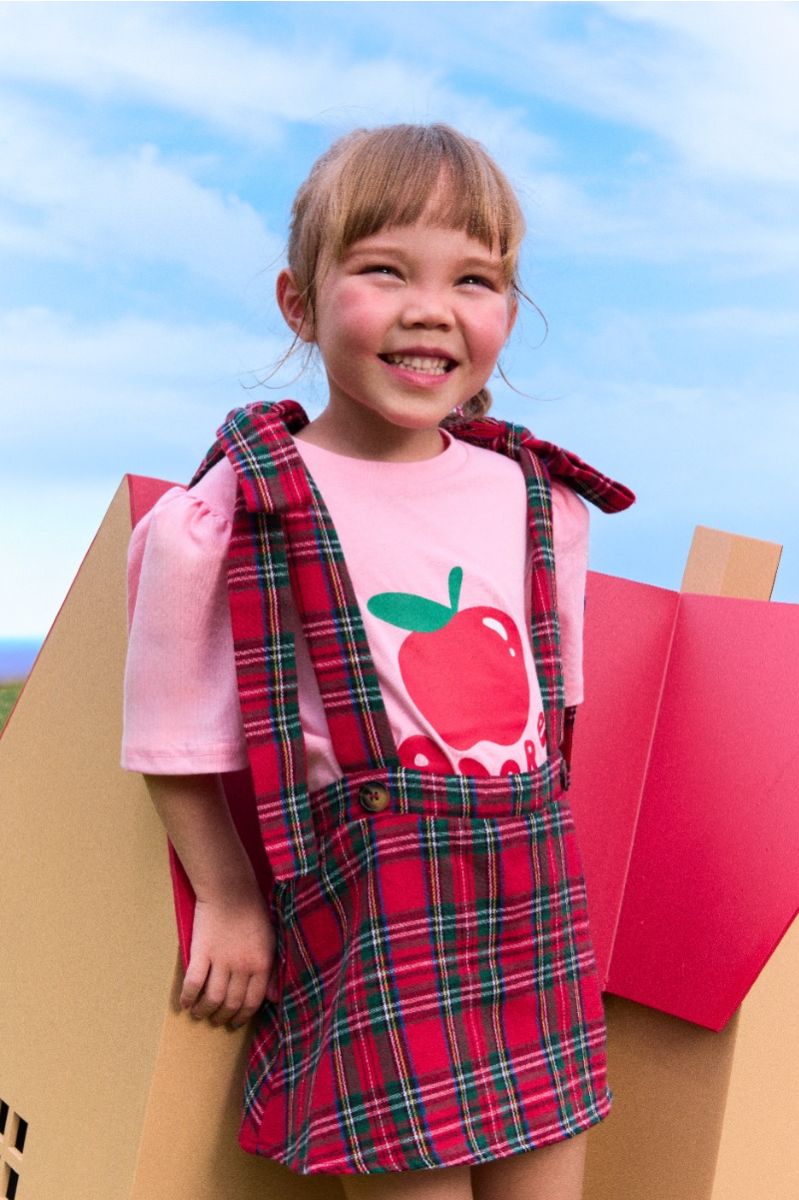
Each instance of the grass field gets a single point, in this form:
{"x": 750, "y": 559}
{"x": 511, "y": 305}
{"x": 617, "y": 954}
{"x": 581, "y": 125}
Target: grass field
{"x": 8, "y": 694}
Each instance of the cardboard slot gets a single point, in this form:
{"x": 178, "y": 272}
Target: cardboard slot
{"x": 3, "y": 1116}
{"x": 20, "y": 1133}
{"x": 11, "y": 1180}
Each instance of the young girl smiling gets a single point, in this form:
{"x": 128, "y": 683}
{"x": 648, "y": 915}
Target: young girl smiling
{"x": 379, "y": 612}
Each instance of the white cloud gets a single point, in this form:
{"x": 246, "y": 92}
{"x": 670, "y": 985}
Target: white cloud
{"x": 64, "y": 200}
{"x": 724, "y": 89}
{"x": 125, "y": 395}
{"x": 136, "y": 202}
{"x": 249, "y": 86}
{"x": 715, "y": 83}
{"x": 95, "y": 401}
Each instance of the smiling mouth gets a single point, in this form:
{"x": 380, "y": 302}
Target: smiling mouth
{"x": 418, "y": 362}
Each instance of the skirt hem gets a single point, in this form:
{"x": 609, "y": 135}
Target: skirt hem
{"x": 470, "y": 1158}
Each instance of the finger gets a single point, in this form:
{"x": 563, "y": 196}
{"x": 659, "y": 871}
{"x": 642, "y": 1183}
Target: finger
{"x": 194, "y": 980}
{"x": 234, "y": 998}
{"x": 253, "y": 999}
{"x": 214, "y": 992}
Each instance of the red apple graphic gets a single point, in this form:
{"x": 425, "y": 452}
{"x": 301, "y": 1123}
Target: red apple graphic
{"x": 420, "y": 753}
{"x": 463, "y": 670}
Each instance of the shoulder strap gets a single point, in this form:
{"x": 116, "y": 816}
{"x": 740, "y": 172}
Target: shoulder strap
{"x": 563, "y": 465}
{"x": 259, "y": 592}
{"x": 240, "y": 437}
{"x": 545, "y": 629}
{"x": 541, "y": 462}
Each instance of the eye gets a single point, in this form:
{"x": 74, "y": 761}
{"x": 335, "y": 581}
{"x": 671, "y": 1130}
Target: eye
{"x": 479, "y": 281}
{"x": 379, "y": 269}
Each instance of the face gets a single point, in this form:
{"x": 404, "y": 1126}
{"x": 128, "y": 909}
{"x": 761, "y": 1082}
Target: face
{"x": 409, "y": 324}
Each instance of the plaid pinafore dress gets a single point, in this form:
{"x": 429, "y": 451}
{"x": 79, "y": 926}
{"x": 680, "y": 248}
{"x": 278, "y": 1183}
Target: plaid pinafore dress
{"x": 439, "y": 1001}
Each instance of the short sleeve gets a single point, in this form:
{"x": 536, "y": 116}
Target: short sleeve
{"x": 570, "y": 538}
{"x": 181, "y": 709}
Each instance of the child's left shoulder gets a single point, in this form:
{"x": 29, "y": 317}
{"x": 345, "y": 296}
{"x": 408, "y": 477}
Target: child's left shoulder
{"x": 568, "y": 504}
{"x": 570, "y": 516}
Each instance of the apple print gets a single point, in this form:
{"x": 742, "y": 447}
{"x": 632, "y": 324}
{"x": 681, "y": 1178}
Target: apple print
{"x": 420, "y": 753}
{"x": 463, "y": 670}
{"x": 473, "y": 768}
{"x": 470, "y": 766}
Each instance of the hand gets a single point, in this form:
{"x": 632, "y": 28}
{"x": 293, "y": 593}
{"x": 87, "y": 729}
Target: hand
{"x": 232, "y": 965}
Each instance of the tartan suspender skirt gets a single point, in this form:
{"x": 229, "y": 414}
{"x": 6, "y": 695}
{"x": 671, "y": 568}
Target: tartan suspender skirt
{"x": 439, "y": 1000}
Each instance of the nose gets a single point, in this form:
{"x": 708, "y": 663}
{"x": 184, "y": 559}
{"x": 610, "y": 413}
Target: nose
{"x": 426, "y": 308}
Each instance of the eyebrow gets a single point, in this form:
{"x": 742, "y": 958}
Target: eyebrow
{"x": 472, "y": 262}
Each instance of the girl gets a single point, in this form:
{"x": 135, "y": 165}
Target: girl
{"x": 364, "y": 610}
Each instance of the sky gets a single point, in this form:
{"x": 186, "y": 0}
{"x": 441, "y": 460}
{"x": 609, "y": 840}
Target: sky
{"x": 148, "y": 157}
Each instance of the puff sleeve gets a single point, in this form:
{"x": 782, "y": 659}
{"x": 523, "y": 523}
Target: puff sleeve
{"x": 181, "y": 709}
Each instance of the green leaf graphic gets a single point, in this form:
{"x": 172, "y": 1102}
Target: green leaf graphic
{"x": 409, "y": 612}
{"x": 455, "y": 581}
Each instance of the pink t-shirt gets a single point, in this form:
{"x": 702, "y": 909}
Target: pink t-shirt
{"x": 438, "y": 555}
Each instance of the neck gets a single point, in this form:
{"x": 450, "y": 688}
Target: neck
{"x": 376, "y": 440}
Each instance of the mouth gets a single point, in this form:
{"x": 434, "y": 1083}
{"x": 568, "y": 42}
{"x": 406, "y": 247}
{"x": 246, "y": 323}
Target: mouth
{"x": 426, "y": 364}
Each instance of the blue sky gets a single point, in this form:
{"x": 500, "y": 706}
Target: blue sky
{"x": 149, "y": 153}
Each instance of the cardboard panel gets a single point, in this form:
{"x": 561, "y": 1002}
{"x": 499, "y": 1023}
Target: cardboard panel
{"x": 669, "y": 1080}
{"x": 124, "y": 1095}
{"x": 88, "y": 941}
{"x": 757, "y": 1150}
{"x": 700, "y": 1115}
{"x": 628, "y": 631}
{"x": 713, "y": 883}
{"x": 188, "y": 1148}
{"x": 727, "y": 564}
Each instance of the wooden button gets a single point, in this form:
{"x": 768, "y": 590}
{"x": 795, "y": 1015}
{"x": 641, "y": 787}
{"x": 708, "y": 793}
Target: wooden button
{"x": 373, "y": 797}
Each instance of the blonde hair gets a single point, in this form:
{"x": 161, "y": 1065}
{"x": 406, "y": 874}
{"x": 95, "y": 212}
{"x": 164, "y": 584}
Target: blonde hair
{"x": 392, "y": 175}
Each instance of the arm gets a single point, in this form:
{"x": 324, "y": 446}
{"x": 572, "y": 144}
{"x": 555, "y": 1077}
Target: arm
{"x": 232, "y": 959}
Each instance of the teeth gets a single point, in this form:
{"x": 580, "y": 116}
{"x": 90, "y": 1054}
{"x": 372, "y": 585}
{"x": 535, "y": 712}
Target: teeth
{"x": 432, "y": 366}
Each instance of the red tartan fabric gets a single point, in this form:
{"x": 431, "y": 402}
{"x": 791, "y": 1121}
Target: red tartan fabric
{"x": 561, "y": 464}
{"x": 439, "y": 999}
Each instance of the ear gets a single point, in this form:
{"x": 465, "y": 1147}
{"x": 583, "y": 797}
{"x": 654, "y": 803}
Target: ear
{"x": 293, "y": 306}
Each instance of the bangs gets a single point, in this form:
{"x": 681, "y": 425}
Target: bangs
{"x": 396, "y": 175}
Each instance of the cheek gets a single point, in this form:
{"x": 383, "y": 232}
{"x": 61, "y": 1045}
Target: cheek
{"x": 360, "y": 310}
{"x": 491, "y": 335}
{"x": 346, "y": 319}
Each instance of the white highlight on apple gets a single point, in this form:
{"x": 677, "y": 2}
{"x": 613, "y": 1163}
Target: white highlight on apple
{"x": 499, "y": 628}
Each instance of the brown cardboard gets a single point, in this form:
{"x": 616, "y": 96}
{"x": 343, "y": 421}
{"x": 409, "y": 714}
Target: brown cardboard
{"x": 121, "y": 1091}
{"x": 727, "y": 564}
{"x": 757, "y": 1152}
{"x": 127, "y": 1098}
